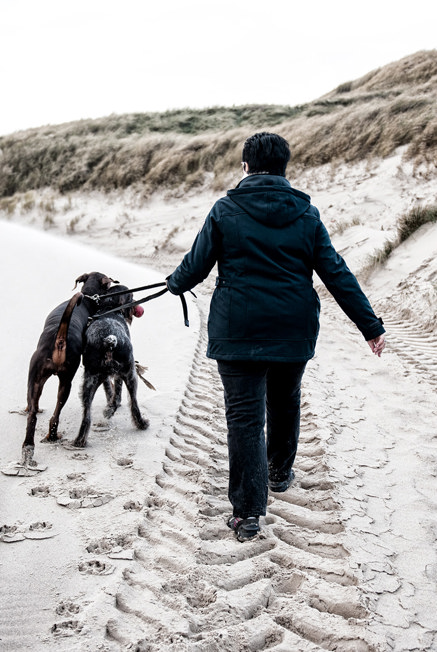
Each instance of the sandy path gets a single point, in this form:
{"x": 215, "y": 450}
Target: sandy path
{"x": 346, "y": 560}
{"x": 293, "y": 589}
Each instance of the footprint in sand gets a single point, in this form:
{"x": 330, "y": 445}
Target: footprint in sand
{"x": 119, "y": 547}
{"x": 23, "y": 470}
{"x": 42, "y": 491}
{"x": 80, "y": 477}
{"x": 67, "y": 609}
{"x": 80, "y": 455}
{"x": 133, "y": 506}
{"x": 10, "y": 534}
{"x": 83, "y": 498}
{"x": 101, "y": 426}
{"x": 38, "y": 530}
{"x": 125, "y": 462}
{"x": 95, "y": 567}
{"x": 67, "y": 628}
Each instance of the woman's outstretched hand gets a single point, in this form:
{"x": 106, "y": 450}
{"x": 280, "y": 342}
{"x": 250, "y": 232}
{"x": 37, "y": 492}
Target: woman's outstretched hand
{"x": 377, "y": 344}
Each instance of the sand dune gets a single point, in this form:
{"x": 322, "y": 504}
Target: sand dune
{"x": 123, "y": 545}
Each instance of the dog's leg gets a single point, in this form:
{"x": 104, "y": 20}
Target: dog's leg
{"x": 35, "y": 385}
{"x": 63, "y": 394}
{"x": 89, "y": 388}
{"x": 115, "y": 401}
{"x": 108, "y": 386}
{"x": 131, "y": 383}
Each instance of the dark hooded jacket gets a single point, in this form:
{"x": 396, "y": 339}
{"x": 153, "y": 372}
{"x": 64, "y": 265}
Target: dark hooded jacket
{"x": 267, "y": 240}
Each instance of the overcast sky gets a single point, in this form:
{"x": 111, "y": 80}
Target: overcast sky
{"x": 62, "y": 61}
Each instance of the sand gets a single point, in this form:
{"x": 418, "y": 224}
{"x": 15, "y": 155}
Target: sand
{"x": 123, "y": 545}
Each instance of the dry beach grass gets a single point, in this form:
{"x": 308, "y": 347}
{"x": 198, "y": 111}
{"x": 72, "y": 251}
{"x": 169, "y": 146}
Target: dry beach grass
{"x": 373, "y": 116}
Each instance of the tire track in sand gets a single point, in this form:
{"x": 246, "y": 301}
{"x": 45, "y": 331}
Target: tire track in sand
{"x": 192, "y": 586}
{"x": 415, "y": 344}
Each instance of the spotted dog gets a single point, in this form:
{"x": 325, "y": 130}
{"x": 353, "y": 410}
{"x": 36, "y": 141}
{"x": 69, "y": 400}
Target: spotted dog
{"x": 108, "y": 359}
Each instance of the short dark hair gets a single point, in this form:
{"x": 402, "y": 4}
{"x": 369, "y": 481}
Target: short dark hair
{"x": 265, "y": 152}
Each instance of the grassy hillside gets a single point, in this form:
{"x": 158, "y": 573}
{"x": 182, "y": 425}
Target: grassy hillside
{"x": 372, "y": 116}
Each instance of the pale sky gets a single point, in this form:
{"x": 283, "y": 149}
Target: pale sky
{"x": 62, "y": 61}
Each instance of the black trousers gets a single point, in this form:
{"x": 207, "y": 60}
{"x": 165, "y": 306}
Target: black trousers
{"x": 254, "y": 391}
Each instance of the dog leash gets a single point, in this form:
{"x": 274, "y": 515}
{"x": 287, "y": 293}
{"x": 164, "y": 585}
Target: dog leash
{"x": 119, "y": 292}
{"x": 132, "y": 304}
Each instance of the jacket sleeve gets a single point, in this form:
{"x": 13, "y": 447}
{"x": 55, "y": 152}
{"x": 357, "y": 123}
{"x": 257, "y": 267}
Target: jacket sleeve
{"x": 197, "y": 263}
{"x": 343, "y": 285}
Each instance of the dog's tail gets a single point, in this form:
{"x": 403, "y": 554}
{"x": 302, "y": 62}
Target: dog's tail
{"x": 60, "y": 349}
{"x": 110, "y": 342}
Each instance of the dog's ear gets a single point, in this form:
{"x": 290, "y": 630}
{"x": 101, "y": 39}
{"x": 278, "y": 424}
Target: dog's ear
{"x": 106, "y": 282}
{"x": 81, "y": 279}
{"x": 127, "y": 312}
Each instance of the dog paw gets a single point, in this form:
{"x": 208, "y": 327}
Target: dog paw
{"x": 51, "y": 439}
{"x": 20, "y": 410}
{"x": 74, "y": 445}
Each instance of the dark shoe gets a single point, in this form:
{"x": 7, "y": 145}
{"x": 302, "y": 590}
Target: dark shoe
{"x": 244, "y": 528}
{"x": 280, "y": 487}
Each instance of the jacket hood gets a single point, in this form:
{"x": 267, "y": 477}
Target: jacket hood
{"x": 270, "y": 199}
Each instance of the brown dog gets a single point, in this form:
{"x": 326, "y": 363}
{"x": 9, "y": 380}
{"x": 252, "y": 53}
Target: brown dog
{"x": 58, "y": 352}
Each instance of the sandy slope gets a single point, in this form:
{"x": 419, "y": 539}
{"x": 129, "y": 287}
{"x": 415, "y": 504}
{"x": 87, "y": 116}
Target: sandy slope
{"x": 347, "y": 557}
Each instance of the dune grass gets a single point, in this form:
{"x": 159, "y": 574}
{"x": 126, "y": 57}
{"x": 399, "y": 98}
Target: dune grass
{"x": 372, "y": 116}
{"x": 407, "y": 225}
{"x": 414, "y": 219}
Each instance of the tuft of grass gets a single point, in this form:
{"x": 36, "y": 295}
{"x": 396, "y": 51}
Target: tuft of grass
{"x": 8, "y": 205}
{"x": 408, "y": 224}
{"x": 72, "y": 224}
{"x": 341, "y": 227}
{"x": 47, "y": 205}
{"x": 28, "y": 202}
{"x": 412, "y": 221}
{"x": 49, "y": 222}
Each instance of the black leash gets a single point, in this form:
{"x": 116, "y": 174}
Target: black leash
{"x": 132, "y": 304}
{"x": 119, "y": 292}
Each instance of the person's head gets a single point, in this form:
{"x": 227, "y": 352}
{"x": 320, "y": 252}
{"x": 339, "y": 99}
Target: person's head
{"x": 267, "y": 153}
